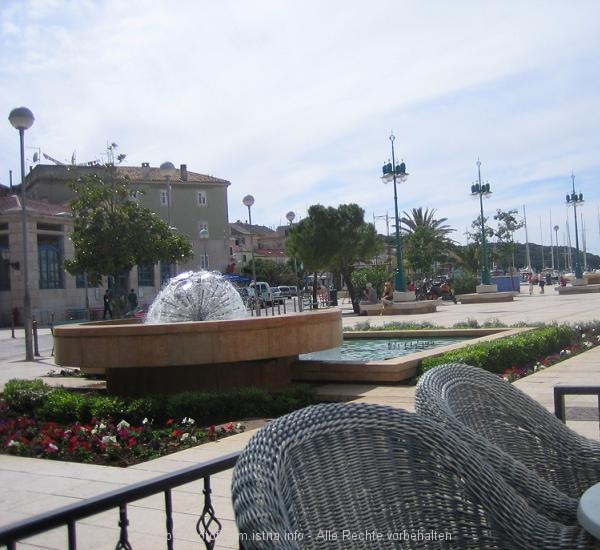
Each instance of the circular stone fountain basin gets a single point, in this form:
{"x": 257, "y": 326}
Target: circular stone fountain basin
{"x": 165, "y": 358}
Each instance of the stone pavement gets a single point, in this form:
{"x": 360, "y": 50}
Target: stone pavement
{"x": 31, "y": 486}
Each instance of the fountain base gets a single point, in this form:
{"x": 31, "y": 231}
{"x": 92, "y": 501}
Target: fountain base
{"x": 140, "y": 359}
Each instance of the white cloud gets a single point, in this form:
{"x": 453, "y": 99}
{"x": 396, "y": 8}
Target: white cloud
{"x": 293, "y": 102}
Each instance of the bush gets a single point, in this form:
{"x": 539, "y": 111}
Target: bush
{"x": 37, "y": 399}
{"x": 465, "y": 284}
{"x": 499, "y": 355}
{"x": 25, "y": 395}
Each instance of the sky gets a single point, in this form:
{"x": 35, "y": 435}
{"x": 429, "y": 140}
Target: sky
{"x": 294, "y": 102}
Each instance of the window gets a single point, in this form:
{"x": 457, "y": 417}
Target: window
{"x": 4, "y": 263}
{"x": 204, "y": 261}
{"x": 201, "y": 198}
{"x": 50, "y": 262}
{"x": 166, "y": 272}
{"x": 164, "y": 198}
{"x": 145, "y": 275}
{"x": 201, "y": 226}
{"x": 80, "y": 282}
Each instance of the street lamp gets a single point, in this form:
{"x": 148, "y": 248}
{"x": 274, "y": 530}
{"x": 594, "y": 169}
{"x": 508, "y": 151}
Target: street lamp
{"x": 248, "y": 201}
{"x": 576, "y": 200}
{"x": 482, "y": 190}
{"x": 398, "y": 173}
{"x": 22, "y": 119}
{"x": 556, "y": 228}
{"x": 291, "y": 216}
{"x": 167, "y": 171}
{"x": 204, "y": 236}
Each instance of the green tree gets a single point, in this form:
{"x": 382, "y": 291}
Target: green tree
{"x": 508, "y": 223}
{"x": 112, "y": 232}
{"x": 426, "y": 240}
{"x": 334, "y": 239}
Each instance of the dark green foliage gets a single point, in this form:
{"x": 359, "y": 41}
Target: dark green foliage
{"x": 499, "y": 355}
{"x": 465, "y": 284}
{"x": 25, "y": 395}
{"x": 36, "y": 399}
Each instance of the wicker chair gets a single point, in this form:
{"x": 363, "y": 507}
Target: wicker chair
{"x": 368, "y": 476}
{"x": 469, "y": 398}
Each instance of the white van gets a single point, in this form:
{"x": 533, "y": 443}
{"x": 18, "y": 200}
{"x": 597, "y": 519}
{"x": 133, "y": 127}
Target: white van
{"x": 263, "y": 291}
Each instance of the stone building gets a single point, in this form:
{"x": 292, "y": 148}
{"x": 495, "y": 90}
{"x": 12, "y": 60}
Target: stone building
{"x": 196, "y": 204}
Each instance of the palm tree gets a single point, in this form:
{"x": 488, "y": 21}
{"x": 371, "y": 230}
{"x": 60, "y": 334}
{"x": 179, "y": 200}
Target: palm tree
{"x": 426, "y": 240}
{"x": 419, "y": 218}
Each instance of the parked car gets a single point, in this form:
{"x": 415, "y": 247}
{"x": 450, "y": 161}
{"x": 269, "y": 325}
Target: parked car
{"x": 264, "y": 292}
{"x": 285, "y": 291}
{"x": 293, "y": 290}
{"x": 276, "y": 296}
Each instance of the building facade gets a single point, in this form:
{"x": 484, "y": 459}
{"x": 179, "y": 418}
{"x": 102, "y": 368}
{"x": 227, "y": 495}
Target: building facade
{"x": 195, "y": 204}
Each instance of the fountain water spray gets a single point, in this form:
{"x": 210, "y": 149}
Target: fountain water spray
{"x": 196, "y": 296}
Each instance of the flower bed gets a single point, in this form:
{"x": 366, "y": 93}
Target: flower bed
{"x": 105, "y": 442}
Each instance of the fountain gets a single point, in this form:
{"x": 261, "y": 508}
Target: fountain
{"x": 196, "y": 296}
{"x": 198, "y": 336}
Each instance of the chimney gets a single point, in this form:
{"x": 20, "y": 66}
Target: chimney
{"x": 183, "y": 172}
{"x": 146, "y": 169}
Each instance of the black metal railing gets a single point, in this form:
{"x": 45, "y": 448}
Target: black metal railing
{"x": 208, "y": 526}
{"x": 559, "y": 398}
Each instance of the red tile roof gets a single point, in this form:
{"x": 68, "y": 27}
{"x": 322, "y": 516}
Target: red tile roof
{"x": 12, "y": 203}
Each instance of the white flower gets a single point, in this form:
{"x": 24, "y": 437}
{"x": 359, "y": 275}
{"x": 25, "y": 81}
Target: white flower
{"x": 190, "y": 421}
{"x": 109, "y": 439}
{"x": 145, "y": 421}
{"x": 123, "y": 424}
{"x": 13, "y": 443}
{"x": 184, "y": 436}
{"x": 52, "y": 447}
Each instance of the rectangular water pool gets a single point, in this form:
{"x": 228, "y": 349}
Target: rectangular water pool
{"x": 373, "y": 349}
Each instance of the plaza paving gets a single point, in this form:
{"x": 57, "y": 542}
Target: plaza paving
{"x": 32, "y": 486}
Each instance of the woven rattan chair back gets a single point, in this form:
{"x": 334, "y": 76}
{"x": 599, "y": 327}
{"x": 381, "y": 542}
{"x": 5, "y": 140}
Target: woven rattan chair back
{"x": 459, "y": 395}
{"x": 368, "y": 476}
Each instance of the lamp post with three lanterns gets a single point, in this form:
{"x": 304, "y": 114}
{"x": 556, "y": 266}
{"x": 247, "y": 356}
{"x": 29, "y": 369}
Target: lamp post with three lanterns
{"x": 396, "y": 173}
{"x": 575, "y": 200}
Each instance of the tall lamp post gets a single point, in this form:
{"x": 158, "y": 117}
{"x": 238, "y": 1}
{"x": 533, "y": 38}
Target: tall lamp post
{"x": 22, "y": 119}
{"x": 556, "y": 228}
{"x": 482, "y": 190}
{"x": 167, "y": 171}
{"x": 396, "y": 173}
{"x": 575, "y": 200}
{"x": 291, "y": 216}
{"x": 248, "y": 201}
{"x": 204, "y": 236}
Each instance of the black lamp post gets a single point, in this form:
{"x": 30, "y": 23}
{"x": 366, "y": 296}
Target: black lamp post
{"x": 22, "y": 119}
{"x": 291, "y": 216}
{"x": 576, "y": 200}
{"x": 482, "y": 190}
{"x": 204, "y": 235}
{"x": 556, "y": 228}
{"x": 396, "y": 173}
{"x": 248, "y": 201}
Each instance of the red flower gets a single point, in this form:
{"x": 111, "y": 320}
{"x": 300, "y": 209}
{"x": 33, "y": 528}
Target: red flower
{"x": 212, "y": 433}
{"x": 170, "y": 421}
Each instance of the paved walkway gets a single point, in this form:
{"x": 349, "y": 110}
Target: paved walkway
{"x": 32, "y": 486}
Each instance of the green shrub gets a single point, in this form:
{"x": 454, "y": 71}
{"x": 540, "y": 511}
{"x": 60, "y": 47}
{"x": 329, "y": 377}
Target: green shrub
{"x": 465, "y": 284}
{"x": 499, "y": 355}
{"x": 25, "y": 395}
{"x": 62, "y": 405}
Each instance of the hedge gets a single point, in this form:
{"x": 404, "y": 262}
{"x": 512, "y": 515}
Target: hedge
{"x": 513, "y": 351}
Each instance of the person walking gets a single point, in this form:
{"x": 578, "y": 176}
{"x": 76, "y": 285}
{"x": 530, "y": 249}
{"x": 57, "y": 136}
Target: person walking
{"x": 132, "y": 300}
{"x": 530, "y": 281}
{"x": 387, "y": 299}
{"x": 107, "y": 302}
{"x": 542, "y": 284}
